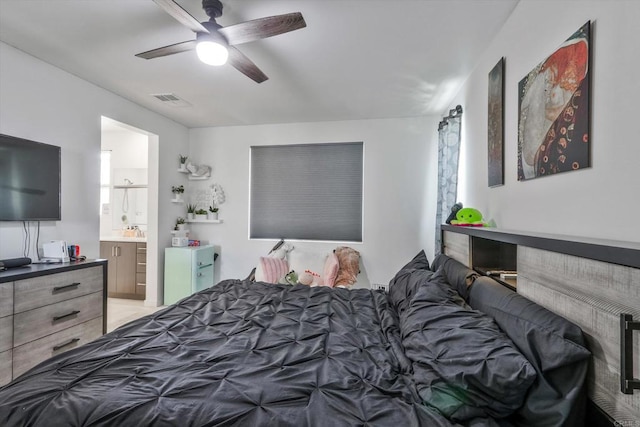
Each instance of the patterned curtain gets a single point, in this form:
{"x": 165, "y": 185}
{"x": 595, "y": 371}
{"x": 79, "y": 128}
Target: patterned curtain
{"x": 448, "y": 155}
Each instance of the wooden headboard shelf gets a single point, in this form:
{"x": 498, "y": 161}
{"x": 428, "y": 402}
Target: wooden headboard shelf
{"x": 610, "y": 251}
{"x": 588, "y": 281}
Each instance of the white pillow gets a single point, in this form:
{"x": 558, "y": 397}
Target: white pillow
{"x": 301, "y": 260}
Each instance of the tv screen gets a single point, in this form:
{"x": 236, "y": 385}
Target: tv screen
{"x": 29, "y": 180}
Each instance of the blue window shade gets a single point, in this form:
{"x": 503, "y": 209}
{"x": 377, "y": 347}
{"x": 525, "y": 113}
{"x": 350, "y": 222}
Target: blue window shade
{"x": 307, "y": 192}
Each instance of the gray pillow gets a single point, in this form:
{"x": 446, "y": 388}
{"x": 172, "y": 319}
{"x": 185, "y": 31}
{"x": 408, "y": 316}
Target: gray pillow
{"x": 463, "y": 365}
{"x": 418, "y": 262}
{"x": 406, "y": 281}
{"x": 458, "y": 275}
{"x": 555, "y": 347}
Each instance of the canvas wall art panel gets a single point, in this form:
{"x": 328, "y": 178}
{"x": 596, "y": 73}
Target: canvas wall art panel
{"x": 554, "y": 108}
{"x": 495, "y": 136}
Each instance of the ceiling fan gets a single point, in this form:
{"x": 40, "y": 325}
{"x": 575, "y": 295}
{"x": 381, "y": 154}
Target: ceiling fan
{"x": 215, "y": 43}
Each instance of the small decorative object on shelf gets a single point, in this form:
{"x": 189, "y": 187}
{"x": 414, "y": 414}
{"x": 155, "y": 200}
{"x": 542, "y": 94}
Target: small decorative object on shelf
{"x": 191, "y": 210}
{"x": 218, "y": 198}
{"x": 196, "y": 172}
{"x": 183, "y": 162}
{"x": 213, "y": 213}
{"x": 177, "y": 192}
{"x": 179, "y": 224}
{"x": 200, "y": 214}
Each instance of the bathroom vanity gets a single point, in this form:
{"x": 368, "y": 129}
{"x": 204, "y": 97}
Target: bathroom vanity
{"x": 127, "y": 266}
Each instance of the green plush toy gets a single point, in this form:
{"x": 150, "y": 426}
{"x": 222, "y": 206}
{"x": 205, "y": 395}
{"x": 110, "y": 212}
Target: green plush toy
{"x": 291, "y": 278}
{"x": 468, "y": 217}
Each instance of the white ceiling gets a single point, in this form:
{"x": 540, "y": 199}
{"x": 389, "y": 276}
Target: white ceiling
{"x": 356, "y": 59}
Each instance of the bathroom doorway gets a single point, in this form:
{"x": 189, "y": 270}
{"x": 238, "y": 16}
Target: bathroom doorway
{"x": 128, "y": 216}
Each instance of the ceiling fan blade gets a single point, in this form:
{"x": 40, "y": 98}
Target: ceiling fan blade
{"x": 168, "y": 50}
{"x": 257, "y": 29}
{"x": 245, "y": 65}
{"x": 181, "y": 15}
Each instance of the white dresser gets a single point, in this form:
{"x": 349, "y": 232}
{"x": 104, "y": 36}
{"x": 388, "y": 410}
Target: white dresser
{"x": 47, "y": 310}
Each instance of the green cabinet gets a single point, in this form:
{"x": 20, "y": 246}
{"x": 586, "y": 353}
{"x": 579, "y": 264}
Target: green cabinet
{"x": 187, "y": 270}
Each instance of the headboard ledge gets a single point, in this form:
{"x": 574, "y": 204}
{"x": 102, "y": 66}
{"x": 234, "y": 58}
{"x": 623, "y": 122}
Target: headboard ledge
{"x": 589, "y": 281}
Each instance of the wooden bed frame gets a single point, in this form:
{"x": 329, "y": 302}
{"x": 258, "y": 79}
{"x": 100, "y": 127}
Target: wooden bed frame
{"x": 591, "y": 282}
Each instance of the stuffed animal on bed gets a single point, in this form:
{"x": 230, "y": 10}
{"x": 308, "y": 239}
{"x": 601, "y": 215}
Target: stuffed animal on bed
{"x": 468, "y": 217}
{"x": 282, "y": 251}
{"x": 291, "y": 278}
{"x": 349, "y": 266}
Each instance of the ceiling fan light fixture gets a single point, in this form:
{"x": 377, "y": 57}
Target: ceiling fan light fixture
{"x": 212, "y": 53}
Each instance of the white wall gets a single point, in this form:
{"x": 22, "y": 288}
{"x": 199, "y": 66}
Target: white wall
{"x": 395, "y": 171}
{"x": 43, "y": 103}
{"x": 596, "y": 202}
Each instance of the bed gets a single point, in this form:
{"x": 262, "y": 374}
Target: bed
{"x": 443, "y": 347}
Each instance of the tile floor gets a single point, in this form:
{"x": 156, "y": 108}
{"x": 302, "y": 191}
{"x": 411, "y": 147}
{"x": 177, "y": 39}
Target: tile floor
{"x": 121, "y": 311}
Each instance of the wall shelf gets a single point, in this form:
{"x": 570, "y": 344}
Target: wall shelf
{"x": 185, "y": 231}
{"x": 210, "y": 221}
{"x": 177, "y": 200}
{"x": 192, "y": 177}
{"x": 124, "y": 187}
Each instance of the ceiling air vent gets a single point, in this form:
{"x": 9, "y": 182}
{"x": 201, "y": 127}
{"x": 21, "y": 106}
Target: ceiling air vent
{"x": 171, "y": 100}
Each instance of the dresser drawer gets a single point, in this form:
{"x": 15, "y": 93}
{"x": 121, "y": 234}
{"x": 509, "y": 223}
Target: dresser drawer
{"x": 6, "y": 333}
{"x": 141, "y": 264}
{"x": 34, "y": 324}
{"x": 5, "y": 367}
{"x": 53, "y": 288}
{"x": 204, "y": 257}
{"x": 141, "y": 278}
{"x": 204, "y": 278}
{"x": 28, "y": 355}
{"x": 6, "y": 299}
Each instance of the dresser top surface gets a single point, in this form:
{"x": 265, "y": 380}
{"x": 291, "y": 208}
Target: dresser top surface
{"x": 35, "y": 270}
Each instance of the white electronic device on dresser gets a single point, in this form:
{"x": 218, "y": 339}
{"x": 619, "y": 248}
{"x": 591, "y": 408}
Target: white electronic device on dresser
{"x": 55, "y": 250}
{"x": 48, "y": 309}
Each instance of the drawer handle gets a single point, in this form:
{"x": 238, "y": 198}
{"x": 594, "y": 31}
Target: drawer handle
{"x": 66, "y": 344}
{"x": 142, "y": 249}
{"x": 627, "y": 325}
{"x": 142, "y": 263}
{"x": 74, "y": 313}
{"x": 66, "y": 287}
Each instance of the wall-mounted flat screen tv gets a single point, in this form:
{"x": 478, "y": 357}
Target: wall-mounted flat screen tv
{"x": 29, "y": 180}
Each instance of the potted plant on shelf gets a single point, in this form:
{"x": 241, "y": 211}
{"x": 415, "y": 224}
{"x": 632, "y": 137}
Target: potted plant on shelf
{"x": 213, "y": 213}
{"x": 179, "y": 224}
{"x": 183, "y": 162}
{"x": 201, "y": 214}
{"x": 218, "y": 198}
{"x": 191, "y": 210}
{"x": 177, "y": 192}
